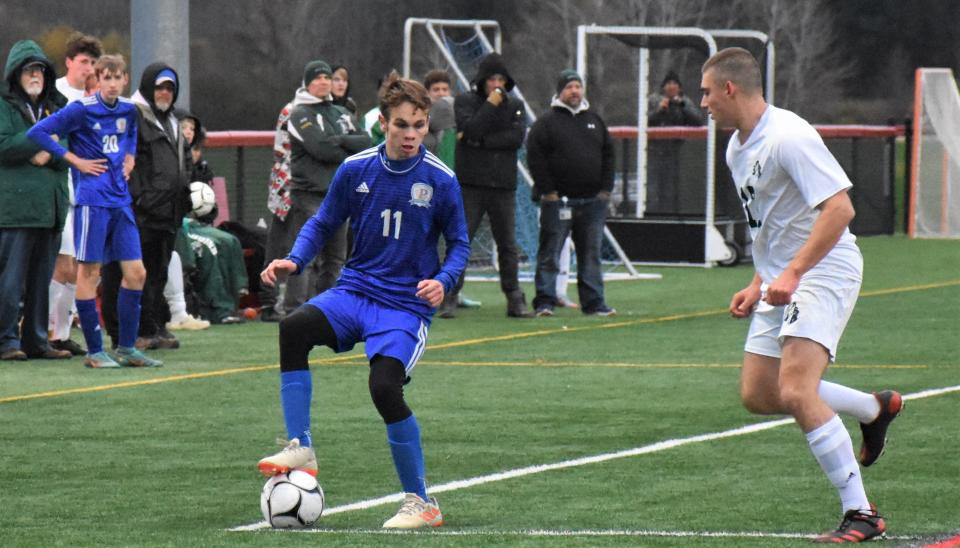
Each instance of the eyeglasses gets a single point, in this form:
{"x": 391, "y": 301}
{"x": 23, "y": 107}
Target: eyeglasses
{"x": 33, "y": 69}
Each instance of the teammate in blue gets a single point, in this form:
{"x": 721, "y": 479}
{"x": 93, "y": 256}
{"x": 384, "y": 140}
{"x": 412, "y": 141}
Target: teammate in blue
{"x": 102, "y": 131}
{"x": 399, "y": 199}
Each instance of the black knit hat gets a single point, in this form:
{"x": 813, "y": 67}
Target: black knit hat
{"x": 671, "y": 76}
{"x": 315, "y": 68}
{"x": 567, "y": 76}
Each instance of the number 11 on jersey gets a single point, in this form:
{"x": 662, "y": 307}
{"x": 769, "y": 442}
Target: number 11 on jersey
{"x": 397, "y": 219}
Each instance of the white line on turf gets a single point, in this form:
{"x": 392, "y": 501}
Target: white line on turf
{"x": 573, "y": 533}
{"x": 536, "y": 469}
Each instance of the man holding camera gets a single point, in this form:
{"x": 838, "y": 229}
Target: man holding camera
{"x": 670, "y": 107}
{"x": 490, "y": 129}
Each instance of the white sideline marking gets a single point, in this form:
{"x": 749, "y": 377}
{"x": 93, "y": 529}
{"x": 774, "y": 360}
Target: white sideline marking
{"x": 572, "y": 533}
{"x": 536, "y": 469}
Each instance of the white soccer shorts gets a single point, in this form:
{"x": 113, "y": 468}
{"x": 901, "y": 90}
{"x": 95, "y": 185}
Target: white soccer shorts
{"x": 819, "y": 311}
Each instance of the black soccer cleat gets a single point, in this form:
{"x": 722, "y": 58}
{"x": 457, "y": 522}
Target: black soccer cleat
{"x": 857, "y": 526}
{"x": 875, "y": 433}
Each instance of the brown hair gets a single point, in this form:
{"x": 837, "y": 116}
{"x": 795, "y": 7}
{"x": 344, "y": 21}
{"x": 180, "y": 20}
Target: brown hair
{"x": 435, "y": 76}
{"x": 736, "y": 65}
{"x": 83, "y": 43}
{"x": 113, "y": 63}
{"x": 395, "y": 91}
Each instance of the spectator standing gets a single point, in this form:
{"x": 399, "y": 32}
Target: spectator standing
{"x": 491, "y": 127}
{"x": 322, "y": 136}
{"x": 159, "y": 186}
{"x": 33, "y": 205}
{"x": 340, "y": 89}
{"x": 670, "y": 107}
{"x": 571, "y": 159}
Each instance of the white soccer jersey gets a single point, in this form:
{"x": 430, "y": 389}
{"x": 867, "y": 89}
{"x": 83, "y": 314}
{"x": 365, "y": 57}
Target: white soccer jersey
{"x": 783, "y": 172}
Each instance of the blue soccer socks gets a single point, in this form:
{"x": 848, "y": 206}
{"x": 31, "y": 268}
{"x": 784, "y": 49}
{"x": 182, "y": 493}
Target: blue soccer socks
{"x": 128, "y": 316}
{"x": 404, "y": 439}
{"x": 90, "y": 324}
{"x": 296, "y": 391}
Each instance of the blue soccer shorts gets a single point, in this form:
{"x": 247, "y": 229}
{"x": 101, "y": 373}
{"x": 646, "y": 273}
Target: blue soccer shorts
{"x": 105, "y": 234}
{"x": 387, "y": 331}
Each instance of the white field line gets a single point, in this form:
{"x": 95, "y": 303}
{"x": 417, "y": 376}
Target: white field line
{"x": 572, "y": 533}
{"x": 582, "y": 461}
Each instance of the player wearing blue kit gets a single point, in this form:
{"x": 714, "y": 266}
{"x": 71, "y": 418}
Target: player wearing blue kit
{"x": 102, "y": 131}
{"x": 399, "y": 199}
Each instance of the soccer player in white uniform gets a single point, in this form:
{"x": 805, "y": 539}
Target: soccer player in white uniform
{"x": 808, "y": 275}
{"x": 81, "y": 54}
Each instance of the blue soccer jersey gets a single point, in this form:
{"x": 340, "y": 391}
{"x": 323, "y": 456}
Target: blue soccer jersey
{"x": 96, "y": 130}
{"x": 397, "y": 210}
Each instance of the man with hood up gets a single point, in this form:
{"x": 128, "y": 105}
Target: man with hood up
{"x": 33, "y": 204}
{"x": 159, "y": 185}
{"x": 490, "y": 127}
{"x": 322, "y": 135}
{"x": 571, "y": 159}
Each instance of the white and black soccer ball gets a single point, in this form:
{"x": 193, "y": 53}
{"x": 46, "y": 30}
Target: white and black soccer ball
{"x": 291, "y": 501}
{"x": 202, "y": 198}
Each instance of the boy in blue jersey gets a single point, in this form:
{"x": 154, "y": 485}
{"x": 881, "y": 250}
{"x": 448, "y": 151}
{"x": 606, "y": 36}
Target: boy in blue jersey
{"x": 399, "y": 199}
{"x": 103, "y": 138}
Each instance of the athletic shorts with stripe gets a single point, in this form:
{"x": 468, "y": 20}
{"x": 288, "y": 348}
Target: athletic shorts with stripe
{"x": 105, "y": 234}
{"x": 819, "y": 311}
{"x": 385, "y": 330}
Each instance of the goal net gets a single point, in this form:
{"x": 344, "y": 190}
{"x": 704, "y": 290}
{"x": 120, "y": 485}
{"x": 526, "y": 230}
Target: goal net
{"x": 935, "y": 174}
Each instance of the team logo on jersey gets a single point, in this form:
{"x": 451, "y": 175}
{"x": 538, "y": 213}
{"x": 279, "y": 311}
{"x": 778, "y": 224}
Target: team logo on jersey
{"x": 591, "y": 125}
{"x": 791, "y": 313}
{"x": 421, "y": 194}
{"x": 363, "y": 188}
{"x": 757, "y": 170}
{"x": 121, "y": 125}
{"x": 96, "y": 126}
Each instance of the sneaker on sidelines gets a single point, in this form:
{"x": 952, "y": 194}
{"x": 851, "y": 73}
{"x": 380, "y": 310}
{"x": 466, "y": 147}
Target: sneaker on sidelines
{"x": 544, "y": 311}
{"x": 466, "y": 302}
{"x": 415, "y": 513}
{"x": 100, "y": 360}
{"x": 564, "y": 302}
{"x": 166, "y": 339}
{"x": 875, "y": 433}
{"x": 189, "y": 323}
{"x": 70, "y": 346}
{"x": 857, "y": 526}
{"x": 293, "y": 457}
{"x": 602, "y": 310}
{"x": 132, "y": 357}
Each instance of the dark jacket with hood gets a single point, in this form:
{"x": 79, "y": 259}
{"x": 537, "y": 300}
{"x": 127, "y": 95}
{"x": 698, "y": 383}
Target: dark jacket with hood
{"x": 487, "y": 150}
{"x": 30, "y": 196}
{"x": 322, "y": 136}
{"x": 159, "y": 183}
{"x": 569, "y": 151}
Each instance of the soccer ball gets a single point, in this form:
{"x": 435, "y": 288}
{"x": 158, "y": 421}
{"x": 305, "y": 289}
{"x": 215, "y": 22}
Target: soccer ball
{"x": 202, "y": 198}
{"x": 291, "y": 501}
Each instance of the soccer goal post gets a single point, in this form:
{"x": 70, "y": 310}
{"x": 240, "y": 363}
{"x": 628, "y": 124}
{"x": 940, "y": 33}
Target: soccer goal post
{"x": 935, "y": 169}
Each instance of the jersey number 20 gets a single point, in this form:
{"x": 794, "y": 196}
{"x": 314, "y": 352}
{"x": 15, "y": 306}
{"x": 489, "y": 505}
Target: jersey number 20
{"x": 110, "y": 144}
{"x": 397, "y": 219}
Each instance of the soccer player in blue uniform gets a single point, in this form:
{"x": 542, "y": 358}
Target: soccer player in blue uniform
{"x": 399, "y": 199}
{"x": 103, "y": 142}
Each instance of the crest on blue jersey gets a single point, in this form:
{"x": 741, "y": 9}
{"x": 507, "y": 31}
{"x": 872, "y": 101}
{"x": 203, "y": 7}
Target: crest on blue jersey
{"x": 421, "y": 194}
{"x": 121, "y": 125}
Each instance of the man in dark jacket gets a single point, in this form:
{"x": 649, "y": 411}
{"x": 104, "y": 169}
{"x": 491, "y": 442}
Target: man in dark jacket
{"x": 159, "y": 186}
{"x": 670, "y": 107}
{"x": 490, "y": 126}
{"x": 33, "y": 204}
{"x": 322, "y": 135}
{"x": 571, "y": 159}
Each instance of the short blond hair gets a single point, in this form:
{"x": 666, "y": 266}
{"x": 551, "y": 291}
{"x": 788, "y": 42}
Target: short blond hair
{"x": 736, "y": 65}
{"x": 113, "y": 63}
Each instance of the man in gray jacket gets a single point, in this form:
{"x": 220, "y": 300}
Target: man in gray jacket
{"x": 322, "y": 136}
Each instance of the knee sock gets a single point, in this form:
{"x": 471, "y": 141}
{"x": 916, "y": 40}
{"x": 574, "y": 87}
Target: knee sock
{"x": 860, "y": 405}
{"x": 404, "y": 439}
{"x": 90, "y": 323}
{"x": 128, "y": 316}
{"x": 173, "y": 291}
{"x": 831, "y": 446}
{"x": 65, "y": 308}
{"x": 53, "y": 294}
{"x": 296, "y": 391}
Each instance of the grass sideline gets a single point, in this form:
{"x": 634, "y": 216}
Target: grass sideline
{"x": 165, "y": 457}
